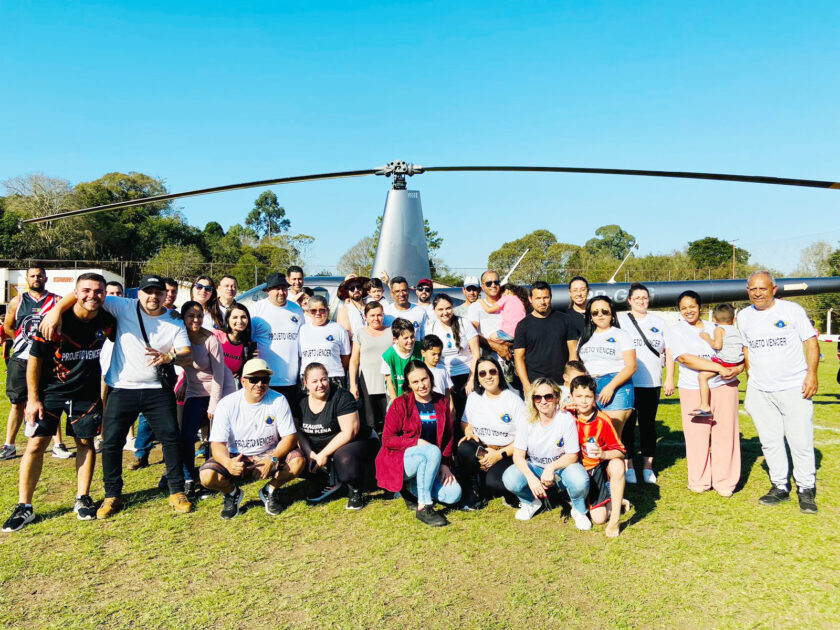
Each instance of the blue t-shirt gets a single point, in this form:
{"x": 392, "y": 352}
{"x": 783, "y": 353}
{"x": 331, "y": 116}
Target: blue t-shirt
{"x": 428, "y": 421}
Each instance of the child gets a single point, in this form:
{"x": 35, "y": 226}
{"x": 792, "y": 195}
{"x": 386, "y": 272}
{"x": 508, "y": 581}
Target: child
{"x": 431, "y": 349}
{"x": 376, "y": 292}
{"x": 395, "y": 358}
{"x": 603, "y": 456}
{"x": 729, "y": 346}
{"x": 512, "y": 305}
{"x": 572, "y": 370}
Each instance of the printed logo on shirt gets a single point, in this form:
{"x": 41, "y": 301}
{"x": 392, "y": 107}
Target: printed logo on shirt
{"x": 100, "y": 334}
{"x": 506, "y": 417}
{"x": 294, "y": 319}
{"x": 560, "y": 443}
{"x": 654, "y": 329}
{"x": 269, "y": 419}
{"x": 780, "y": 324}
{"x": 330, "y": 338}
{"x": 417, "y": 324}
{"x": 611, "y": 340}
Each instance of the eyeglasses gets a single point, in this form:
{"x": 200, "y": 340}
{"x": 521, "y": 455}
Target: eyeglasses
{"x": 203, "y": 287}
{"x": 317, "y": 311}
{"x": 601, "y": 312}
{"x": 492, "y": 283}
{"x": 264, "y": 380}
{"x": 548, "y": 398}
{"x": 490, "y": 372}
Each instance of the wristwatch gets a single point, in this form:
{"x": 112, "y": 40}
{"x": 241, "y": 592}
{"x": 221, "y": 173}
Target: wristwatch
{"x": 275, "y": 464}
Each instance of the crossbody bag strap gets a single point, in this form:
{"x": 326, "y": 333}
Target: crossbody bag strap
{"x": 143, "y": 328}
{"x": 645, "y": 339}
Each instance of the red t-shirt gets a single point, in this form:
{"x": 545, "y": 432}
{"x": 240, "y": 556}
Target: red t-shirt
{"x": 601, "y": 430}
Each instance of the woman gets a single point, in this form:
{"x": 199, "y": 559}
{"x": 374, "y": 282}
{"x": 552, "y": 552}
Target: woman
{"x": 712, "y": 446}
{"x": 489, "y": 426}
{"x": 330, "y": 432}
{"x": 351, "y": 313}
{"x": 610, "y": 358}
{"x": 207, "y": 381}
{"x": 238, "y": 345}
{"x": 203, "y": 291}
{"x": 306, "y": 294}
{"x": 325, "y": 342}
{"x": 417, "y": 447}
{"x": 460, "y": 349}
{"x": 366, "y": 378}
{"x": 545, "y": 453}
{"x": 652, "y": 350}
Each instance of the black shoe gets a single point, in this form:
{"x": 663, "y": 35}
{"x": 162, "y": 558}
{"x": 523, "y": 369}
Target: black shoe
{"x": 472, "y": 502}
{"x": 355, "y": 499}
{"x": 232, "y": 501}
{"x": 807, "y": 502}
{"x": 774, "y": 496}
{"x": 19, "y": 518}
{"x": 202, "y": 493}
{"x": 189, "y": 487}
{"x": 431, "y": 518}
{"x": 271, "y": 500}
{"x": 85, "y": 508}
{"x": 410, "y": 499}
{"x": 318, "y": 496}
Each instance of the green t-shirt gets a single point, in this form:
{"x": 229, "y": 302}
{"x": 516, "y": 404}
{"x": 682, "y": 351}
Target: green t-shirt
{"x": 394, "y": 365}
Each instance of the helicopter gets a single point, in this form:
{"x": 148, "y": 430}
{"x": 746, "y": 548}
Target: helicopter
{"x": 401, "y": 250}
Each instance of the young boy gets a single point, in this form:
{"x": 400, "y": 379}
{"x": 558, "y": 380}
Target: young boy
{"x": 603, "y": 456}
{"x": 729, "y": 347}
{"x": 395, "y": 358}
{"x": 572, "y": 370}
{"x": 432, "y": 347}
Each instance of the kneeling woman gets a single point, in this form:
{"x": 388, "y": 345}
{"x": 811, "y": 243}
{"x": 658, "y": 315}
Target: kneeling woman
{"x": 545, "y": 453}
{"x": 330, "y": 432}
{"x": 417, "y": 446}
{"x": 489, "y": 424}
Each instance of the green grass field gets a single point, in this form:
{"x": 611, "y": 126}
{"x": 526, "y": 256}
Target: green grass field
{"x": 682, "y": 560}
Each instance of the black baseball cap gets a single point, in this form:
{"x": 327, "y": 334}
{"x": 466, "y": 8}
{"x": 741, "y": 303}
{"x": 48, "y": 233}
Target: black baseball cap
{"x": 275, "y": 280}
{"x": 152, "y": 281}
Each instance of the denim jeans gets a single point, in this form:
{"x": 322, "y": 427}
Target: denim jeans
{"x": 145, "y": 438}
{"x": 573, "y": 478}
{"x": 421, "y": 466}
{"x": 622, "y": 398}
{"x": 195, "y": 412}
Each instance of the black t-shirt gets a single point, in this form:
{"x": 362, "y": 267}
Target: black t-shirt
{"x": 545, "y": 341}
{"x": 576, "y": 321}
{"x": 428, "y": 421}
{"x": 321, "y": 427}
{"x": 71, "y": 360}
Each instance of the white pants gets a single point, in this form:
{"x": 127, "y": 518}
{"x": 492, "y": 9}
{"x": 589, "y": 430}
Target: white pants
{"x": 780, "y": 416}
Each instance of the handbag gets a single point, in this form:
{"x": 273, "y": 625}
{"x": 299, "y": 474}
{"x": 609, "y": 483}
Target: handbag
{"x": 165, "y": 372}
{"x": 645, "y": 339}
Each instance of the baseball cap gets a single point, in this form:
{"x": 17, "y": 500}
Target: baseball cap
{"x": 276, "y": 280}
{"x": 471, "y": 281}
{"x": 425, "y": 281}
{"x": 255, "y": 365}
{"x": 151, "y": 281}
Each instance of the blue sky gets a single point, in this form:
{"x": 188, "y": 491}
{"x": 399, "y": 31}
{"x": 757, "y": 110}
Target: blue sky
{"x": 210, "y": 93}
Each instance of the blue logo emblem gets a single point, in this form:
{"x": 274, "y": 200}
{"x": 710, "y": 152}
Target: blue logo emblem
{"x": 294, "y": 319}
{"x": 780, "y": 324}
{"x": 100, "y": 334}
{"x": 269, "y": 420}
{"x": 560, "y": 443}
{"x": 611, "y": 340}
{"x": 330, "y": 338}
{"x": 417, "y": 324}
{"x": 654, "y": 329}
{"x": 506, "y": 417}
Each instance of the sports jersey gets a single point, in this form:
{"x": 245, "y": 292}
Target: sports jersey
{"x": 545, "y": 444}
{"x": 28, "y": 317}
{"x": 456, "y": 357}
{"x": 394, "y": 362}
{"x": 494, "y": 419}
{"x": 251, "y": 429}
{"x": 323, "y": 344}
{"x": 417, "y": 315}
{"x": 648, "y": 365}
{"x": 602, "y": 353}
{"x": 276, "y": 333}
{"x": 70, "y": 361}
{"x": 601, "y": 431}
{"x": 685, "y": 339}
{"x": 774, "y": 337}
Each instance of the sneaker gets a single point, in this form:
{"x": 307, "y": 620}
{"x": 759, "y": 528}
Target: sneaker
{"x": 700, "y": 413}
{"x": 324, "y": 493}
{"x": 471, "y": 502}
{"x": 582, "y": 521}
{"x": 232, "y": 502}
{"x": 409, "y": 499}
{"x": 649, "y": 476}
{"x": 97, "y": 443}
{"x": 189, "y": 486}
{"x": 109, "y": 507}
{"x": 431, "y": 518}
{"x": 355, "y": 499}
{"x": 271, "y": 500}
{"x": 774, "y": 496}
{"x": 180, "y": 503}
{"x": 60, "y": 451}
{"x": 9, "y": 451}
{"x": 85, "y": 508}
{"x": 22, "y": 515}
{"x": 129, "y": 444}
{"x": 807, "y": 502}
{"x": 139, "y": 462}
{"x": 630, "y": 475}
{"x": 528, "y": 509}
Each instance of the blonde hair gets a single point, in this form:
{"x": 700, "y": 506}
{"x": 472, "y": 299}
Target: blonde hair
{"x": 531, "y": 413}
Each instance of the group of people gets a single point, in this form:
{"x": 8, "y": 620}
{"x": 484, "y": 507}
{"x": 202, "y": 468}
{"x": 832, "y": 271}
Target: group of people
{"x": 436, "y": 402}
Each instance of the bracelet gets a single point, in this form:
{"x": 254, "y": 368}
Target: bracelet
{"x": 172, "y": 355}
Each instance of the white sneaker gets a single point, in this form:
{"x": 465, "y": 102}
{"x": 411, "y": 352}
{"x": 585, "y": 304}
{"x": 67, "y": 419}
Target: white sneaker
{"x": 129, "y": 444}
{"x": 630, "y": 475}
{"x": 649, "y": 476}
{"x": 60, "y": 451}
{"x": 581, "y": 520}
{"x": 527, "y": 510}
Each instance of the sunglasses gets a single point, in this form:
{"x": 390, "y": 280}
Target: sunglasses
{"x": 490, "y": 372}
{"x": 472, "y": 288}
{"x": 316, "y": 311}
{"x": 424, "y": 289}
{"x": 354, "y": 287}
{"x": 203, "y": 287}
{"x": 258, "y": 379}
{"x": 492, "y": 283}
{"x": 601, "y": 312}
{"x": 548, "y": 398}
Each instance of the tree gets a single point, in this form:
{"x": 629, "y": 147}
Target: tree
{"x": 358, "y": 259}
{"x": 268, "y": 217}
{"x": 714, "y": 252}
{"x": 546, "y": 258}
{"x": 610, "y": 240}
{"x": 814, "y": 260}
{"x": 182, "y": 262}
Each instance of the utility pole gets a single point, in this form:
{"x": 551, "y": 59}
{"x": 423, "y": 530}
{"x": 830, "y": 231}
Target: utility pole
{"x": 733, "y": 257}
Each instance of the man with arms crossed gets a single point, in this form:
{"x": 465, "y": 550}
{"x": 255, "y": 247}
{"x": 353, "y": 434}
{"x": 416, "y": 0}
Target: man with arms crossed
{"x": 63, "y": 377}
{"x": 781, "y": 383}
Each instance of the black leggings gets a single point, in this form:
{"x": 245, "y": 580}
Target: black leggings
{"x": 470, "y": 470}
{"x": 374, "y": 407}
{"x": 352, "y": 460}
{"x": 459, "y": 397}
{"x": 647, "y": 402}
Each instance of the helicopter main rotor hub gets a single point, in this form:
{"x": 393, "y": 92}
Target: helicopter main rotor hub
{"x": 399, "y": 169}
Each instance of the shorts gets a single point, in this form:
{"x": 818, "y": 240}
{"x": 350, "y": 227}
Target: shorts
{"x": 246, "y": 477}
{"x": 599, "y": 495}
{"x": 293, "y": 396}
{"x": 719, "y": 361}
{"x": 84, "y": 419}
{"x": 623, "y": 397}
{"x": 16, "y": 382}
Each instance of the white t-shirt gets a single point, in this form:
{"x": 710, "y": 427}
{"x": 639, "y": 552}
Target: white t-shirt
{"x": 276, "y": 333}
{"x": 415, "y": 314}
{"x": 105, "y": 355}
{"x": 648, "y": 365}
{"x": 456, "y": 358}
{"x": 494, "y": 420}
{"x": 602, "y": 354}
{"x": 544, "y": 444}
{"x": 685, "y": 339}
{"x": 774, "y": 337}
{"x": 252, "y": 429}
{"x": 442, "y": 379}
{"x": 324, "y": 344}
{"x": 488, "y": 323}
{"x": 128, "y": 369}
{"x": 355, "y": 316}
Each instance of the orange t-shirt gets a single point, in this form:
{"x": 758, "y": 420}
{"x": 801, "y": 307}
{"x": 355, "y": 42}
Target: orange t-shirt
{"x": 600, "y": 429}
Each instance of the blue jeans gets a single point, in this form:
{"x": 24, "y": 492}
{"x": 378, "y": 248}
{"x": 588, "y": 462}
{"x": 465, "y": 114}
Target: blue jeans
{"x": 573, "y": 478}
{"x": 195, "y": 412}
{"x": 421, "y": 467}
{"x": 145, "y": 438}
{"x": 623, "y": 397}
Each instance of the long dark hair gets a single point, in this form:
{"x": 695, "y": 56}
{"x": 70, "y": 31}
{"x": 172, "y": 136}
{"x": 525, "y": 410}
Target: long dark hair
{"x": 519, "y": 292}
{"x": 454, "y": 323}
{"x": 245, "y": 335}
{"x": 588, "y": 326}
{"x": 212, "y": 305}
{"x": 488, "y": 358}
{"x": 416, "y": 364}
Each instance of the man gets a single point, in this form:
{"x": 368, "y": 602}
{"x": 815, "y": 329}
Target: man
{"x": 23, "y": 316}
{"x": 780, "y": 387}
{"x": 276, "y": 323}
{"x": 578, "y": 294}
{"x": 471, "y": 290}
{"x": 227, "y": 290}
{"x": 351, "y": 313}
{"x": 424, "y": 290}
{"x": 401, "y": 307}
{"x": 63, "y": 377}
{"x": 294, "y": 275}
{"x": 544, "y": 340}
{"x": 488, "y": 323}
{"x": 137, "y": 386}
{"x": 171, "y": 293}
{"x": 111, "y": 288}
{"x": 253, "y": 437}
